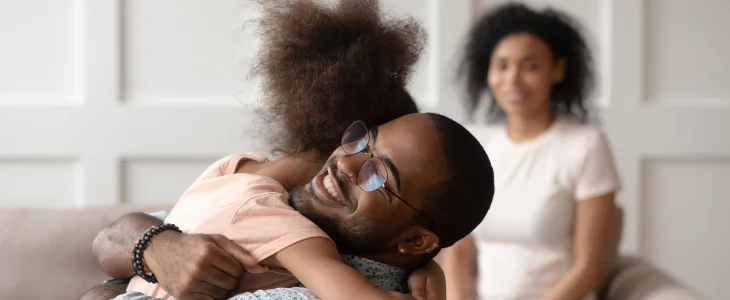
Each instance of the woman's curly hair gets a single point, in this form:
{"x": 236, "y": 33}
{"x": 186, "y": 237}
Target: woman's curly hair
{"x": 561, "y": 34}
{"x": 326, "y": 65}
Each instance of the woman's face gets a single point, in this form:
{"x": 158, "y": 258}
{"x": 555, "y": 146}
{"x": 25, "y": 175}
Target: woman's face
{"x": 521, "y": 74}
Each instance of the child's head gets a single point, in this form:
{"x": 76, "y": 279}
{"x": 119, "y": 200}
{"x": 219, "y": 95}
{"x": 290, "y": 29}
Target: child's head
{"x": 325, "y": 66}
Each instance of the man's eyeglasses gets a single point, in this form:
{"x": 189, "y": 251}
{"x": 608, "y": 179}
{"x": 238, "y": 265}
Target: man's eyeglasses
{"x": 374, "y": 173}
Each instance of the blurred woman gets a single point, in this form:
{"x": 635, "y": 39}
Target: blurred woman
{"x": 548, "y": 229}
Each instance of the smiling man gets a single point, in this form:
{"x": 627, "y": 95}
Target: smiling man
{"x": 378, "y": 183}
{"x": 389, "y": 197}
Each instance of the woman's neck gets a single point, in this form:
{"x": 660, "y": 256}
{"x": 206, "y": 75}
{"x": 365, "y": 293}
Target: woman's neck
{"x": 526, "y": 128}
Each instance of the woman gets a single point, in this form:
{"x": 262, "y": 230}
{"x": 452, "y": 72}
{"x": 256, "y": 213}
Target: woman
{"x": 548, "y": 228}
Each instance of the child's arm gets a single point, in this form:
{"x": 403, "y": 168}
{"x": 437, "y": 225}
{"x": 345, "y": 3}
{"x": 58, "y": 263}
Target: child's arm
{"x": 318, "y": 265}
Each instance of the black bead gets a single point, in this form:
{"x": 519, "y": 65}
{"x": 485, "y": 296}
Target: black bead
{"x": 141, "y": 245}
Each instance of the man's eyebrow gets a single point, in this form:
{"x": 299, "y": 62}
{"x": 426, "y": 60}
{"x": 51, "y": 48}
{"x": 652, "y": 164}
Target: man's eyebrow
{"x": 394, "y": 170}
{"x": 388, "y": 162}
{"x": 374, "y": 134}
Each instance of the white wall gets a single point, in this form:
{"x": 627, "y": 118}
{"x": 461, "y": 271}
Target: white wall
{"x": 111, "y": 101}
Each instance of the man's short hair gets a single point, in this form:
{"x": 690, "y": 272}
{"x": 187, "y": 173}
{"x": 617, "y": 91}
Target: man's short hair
{"x": 460, "y": 202}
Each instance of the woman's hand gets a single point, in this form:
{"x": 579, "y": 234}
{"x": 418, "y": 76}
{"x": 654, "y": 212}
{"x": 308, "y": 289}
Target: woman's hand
{"x": 428, "y": 283}
{"x": 198, "y": 266}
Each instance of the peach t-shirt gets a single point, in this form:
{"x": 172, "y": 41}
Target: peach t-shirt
{"x": 251, "y": 210}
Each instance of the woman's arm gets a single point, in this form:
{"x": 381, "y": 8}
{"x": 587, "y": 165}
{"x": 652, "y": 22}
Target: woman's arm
{"x": 457, "y": 268}
{"x": 593, "y": 225}
{"x": 318, "y": 265}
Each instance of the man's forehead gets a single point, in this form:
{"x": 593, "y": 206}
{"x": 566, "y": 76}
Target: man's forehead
{"x": 413, "y": 145}
{"x": 407, "y": 119}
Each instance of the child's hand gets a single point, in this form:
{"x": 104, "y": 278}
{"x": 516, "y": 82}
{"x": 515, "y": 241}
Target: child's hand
{"x": 208, "y": 265}
{"x": 428, "y": 283}
{"x": 400, "y": 296}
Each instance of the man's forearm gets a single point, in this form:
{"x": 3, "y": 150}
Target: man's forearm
{"x": 113, "y": 245}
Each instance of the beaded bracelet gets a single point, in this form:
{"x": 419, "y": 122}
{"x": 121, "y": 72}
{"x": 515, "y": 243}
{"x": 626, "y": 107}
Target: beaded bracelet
{"x": 141, "y": 245}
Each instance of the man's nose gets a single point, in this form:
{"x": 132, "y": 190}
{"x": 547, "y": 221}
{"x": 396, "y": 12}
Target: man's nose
{"x": 350, "y": 165}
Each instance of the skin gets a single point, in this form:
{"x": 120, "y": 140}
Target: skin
{"x": 521, "y": 75}
{"x": 382, "y": 223}
{"x": 316, "y": 262}
{"x": 209, "y": 266}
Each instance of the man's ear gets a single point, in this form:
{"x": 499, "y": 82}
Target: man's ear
{"x": 417, "y": 241}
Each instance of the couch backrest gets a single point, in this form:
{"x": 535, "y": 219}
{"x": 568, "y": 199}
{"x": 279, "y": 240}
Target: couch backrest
{"x": 46, "y": 254}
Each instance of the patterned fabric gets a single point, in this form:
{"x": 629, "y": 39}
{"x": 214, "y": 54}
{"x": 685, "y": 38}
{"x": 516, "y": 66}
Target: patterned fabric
{"x": 384, "y": 276}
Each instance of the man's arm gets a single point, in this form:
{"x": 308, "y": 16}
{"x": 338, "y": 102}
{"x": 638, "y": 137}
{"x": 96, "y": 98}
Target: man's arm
{"x": 113, "y": 245}
{"x": 208, "y": 266}
{"x": 104, "y": 292}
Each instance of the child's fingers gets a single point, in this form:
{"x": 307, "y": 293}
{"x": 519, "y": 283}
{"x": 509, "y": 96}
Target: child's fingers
{"x": 401, "y": 296}
{"x": 417, "y": 286}
{"x": 248, "y": 261}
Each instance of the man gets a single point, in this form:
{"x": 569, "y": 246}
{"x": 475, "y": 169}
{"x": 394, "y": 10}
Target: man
{"x": 440, "y": 190}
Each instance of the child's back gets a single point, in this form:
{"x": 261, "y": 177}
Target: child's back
{"x": 238, "y": 197}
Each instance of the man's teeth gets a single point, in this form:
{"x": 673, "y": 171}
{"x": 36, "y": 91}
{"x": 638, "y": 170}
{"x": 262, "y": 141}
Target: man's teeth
{"x": 330, "y": 186}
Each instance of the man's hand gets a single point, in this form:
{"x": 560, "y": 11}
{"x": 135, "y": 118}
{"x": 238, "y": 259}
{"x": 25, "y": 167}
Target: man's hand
{"x": 428, "y": 283}
{"x": 198, "y": 266}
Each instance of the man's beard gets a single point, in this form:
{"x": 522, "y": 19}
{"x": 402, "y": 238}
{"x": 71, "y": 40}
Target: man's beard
{"x": 357, "y": 239}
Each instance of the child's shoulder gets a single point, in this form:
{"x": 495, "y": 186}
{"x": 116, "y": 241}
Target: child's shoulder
{"x": 228, "y": 164}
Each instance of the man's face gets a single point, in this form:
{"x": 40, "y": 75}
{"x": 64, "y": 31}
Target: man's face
{"x": 363, "y": 222}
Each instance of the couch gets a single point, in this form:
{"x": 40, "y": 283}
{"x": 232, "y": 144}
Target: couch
{"x": 46, "y": 254}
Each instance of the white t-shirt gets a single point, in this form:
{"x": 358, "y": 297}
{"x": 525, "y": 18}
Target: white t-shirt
{"x": 525, "y": 243}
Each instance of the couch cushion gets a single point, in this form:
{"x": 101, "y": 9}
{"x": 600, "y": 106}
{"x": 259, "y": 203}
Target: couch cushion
{"x": 46, "y": 254}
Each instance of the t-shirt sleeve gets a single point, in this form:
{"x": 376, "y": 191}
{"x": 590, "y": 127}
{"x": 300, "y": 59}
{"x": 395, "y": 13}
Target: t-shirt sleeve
{"x": 227, "y": 165}
{"x": 216, "y": 168}
{"x": 597, "y": 174}
{"x": 266, "y": 225}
